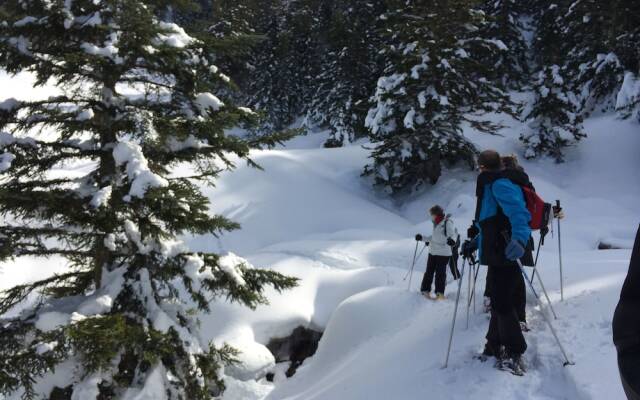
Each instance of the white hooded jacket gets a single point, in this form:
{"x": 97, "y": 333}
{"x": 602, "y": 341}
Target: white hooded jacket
{"x": 438, "y": 240}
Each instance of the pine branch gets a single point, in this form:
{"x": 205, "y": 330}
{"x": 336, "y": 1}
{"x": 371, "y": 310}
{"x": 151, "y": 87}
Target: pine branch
{"x": 17, "y": 294}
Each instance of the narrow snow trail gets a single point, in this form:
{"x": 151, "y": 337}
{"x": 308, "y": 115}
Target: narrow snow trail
{"x": 390, "y": 343}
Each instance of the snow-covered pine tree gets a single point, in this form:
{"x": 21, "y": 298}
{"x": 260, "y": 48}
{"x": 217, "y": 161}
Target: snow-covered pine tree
{"x": 505, "y": 23}
{"x": 434, "y": 83}
{"x": 349, "y": 67}
{"x": 626, "y": 46}
{"x": 553, "y": 120}
{"x": 236, "y": 24}
{"x": 594, "y": 72}
{"x": 136, "y": 101}
{"x": 285, "y": 63}
{"x": 596, "y": 50}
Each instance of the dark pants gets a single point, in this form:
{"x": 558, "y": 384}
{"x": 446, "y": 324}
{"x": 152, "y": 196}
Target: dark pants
{"x": 519, "y": 294}
{"x": 453, "y": 266}
{"x": 626, "y": 327}
{"x": 436, "y": 265}
{"x": 504, "y": 328}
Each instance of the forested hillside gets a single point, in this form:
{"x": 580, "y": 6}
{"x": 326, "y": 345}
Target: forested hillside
{"x": 409, "y": 75}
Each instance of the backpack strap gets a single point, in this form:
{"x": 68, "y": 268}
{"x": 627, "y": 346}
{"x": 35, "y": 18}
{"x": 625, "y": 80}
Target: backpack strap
{"x": 446, "y": 219}
{"x": 484, "y": 179}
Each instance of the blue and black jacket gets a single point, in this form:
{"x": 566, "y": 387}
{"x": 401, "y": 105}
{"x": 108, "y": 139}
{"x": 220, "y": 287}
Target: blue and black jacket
{"x": 501, "y": 214}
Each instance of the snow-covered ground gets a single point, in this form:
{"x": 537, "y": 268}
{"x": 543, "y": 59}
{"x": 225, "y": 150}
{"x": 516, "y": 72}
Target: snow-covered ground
{"x": 311, "y": 215}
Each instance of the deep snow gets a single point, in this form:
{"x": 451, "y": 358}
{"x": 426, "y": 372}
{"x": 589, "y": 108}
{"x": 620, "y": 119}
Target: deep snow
{"x": 311, "y": 215}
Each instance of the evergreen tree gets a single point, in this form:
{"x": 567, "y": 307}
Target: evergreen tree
{"x": 285, "y": 62}
{"x": 124, "y": 316}
{"x": 593, "y": 70}
{"x": 505, "y": 24}
{"x": 599, "y": 52}
{"x": 237, "y": 25}
{"x": 626, "y": 46}
{"x": 552, "y": 120}
{"x": 350, "y": 65}
{"x": 433, "y": 84}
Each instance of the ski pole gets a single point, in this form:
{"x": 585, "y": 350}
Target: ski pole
{"x": 535, "y": 262}
{"x": 548, "y": 321}
{"x": 526, "y": 277}
{"x": 413, "y": 263}
{"x": 471, "y": 291}
{"x": 560, "y": 256}
{"x": 475, "y": 279}
{"x": 455, "y": 313}
{"x": 468, "y": 295}
{"x": 529, "y": 281}
{"x": 415, "y": 252}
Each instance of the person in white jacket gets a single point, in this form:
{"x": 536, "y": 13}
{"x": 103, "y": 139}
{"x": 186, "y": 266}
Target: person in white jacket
{"x": 440, "y": 242}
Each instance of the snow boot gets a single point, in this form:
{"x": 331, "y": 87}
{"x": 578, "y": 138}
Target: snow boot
{"x": 513, "y": 363}
{"x": 427, "y": 295}
{"x": 440, "y": 296}
{"x": 501, "y": 356}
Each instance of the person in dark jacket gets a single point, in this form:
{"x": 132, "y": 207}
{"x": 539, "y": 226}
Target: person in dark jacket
{"x": 513, "y": 171}
{"x": 626, "y": 327}
{"x": 502, "y": 220}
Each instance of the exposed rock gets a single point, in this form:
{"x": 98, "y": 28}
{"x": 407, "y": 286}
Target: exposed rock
{"x": 295, "y": 348}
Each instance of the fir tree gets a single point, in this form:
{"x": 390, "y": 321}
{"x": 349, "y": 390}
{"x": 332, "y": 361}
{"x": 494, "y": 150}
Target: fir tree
{"x": 626, "y": 46}
{"x": 137, "y": 101}
{"x": 593, "y": 70}
{"x": 285, "y": 62}
{"x": 505, "y": 24}
{"x": 350, "y": 65}
{"x": 598, "y": 52}
{"x": 552, "y": 120}
{"x": 434, "y": 83}
{"x": 237, "y": 25}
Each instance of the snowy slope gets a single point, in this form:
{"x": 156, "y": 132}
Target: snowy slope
{"x": 311, "y": 215}
{"x": 389, "y": 343}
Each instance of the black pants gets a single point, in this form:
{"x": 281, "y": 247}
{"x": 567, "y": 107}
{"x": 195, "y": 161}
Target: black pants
{"x": 519, "y": 295}
{"x": 453, "y": 266}
{"x": 504, "y": 328}
{"x": 626, "y": 327}
{"x": 436, "y": 265}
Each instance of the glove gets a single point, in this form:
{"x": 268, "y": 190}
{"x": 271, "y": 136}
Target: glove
{"x": 473, "y": 231}
{"x": 451, "y": 242}
{"x": 557, "y": 212}
{"x": 467, "y": 249}
{"x": 514, "y": 250}
{"x": 418, "y": 238}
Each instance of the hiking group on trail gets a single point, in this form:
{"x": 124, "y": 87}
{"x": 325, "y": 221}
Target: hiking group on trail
{"x": 507, "y": 211}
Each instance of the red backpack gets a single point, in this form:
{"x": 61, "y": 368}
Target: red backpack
{"x": 539, "y": 210}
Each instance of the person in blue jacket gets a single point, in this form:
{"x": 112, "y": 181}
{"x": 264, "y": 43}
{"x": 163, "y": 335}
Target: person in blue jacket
{"x": 502, "y": 226}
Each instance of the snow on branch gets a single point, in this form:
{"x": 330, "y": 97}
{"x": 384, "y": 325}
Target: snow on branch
{"x": 137, "y": 169}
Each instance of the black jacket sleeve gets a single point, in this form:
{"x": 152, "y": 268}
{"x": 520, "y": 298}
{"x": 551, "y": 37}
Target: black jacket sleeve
{"x": 626, "y": 327}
